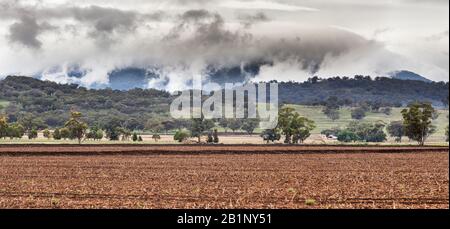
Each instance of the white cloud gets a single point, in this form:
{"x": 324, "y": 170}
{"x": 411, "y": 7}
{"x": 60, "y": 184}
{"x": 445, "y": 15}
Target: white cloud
{"x": 367, "y": 38}
{"x": 264, "y": 5}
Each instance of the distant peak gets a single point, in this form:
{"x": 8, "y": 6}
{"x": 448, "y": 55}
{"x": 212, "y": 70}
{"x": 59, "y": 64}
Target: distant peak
{"x": 408, "y": 75}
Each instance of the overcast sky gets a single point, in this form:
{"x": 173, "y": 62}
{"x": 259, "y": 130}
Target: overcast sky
{"x": 181, "y": 38}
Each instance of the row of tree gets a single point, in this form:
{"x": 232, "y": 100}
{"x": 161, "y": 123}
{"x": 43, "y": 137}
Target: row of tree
{"x": 416, "y": 125}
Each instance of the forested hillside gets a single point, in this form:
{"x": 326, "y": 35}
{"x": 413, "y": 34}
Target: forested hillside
{"x": 51, "y": 102}
{"x": 362, "y": 89}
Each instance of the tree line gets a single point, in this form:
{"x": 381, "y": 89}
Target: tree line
{"x": 416, "y": 125}
{"x": 292, "y": 127}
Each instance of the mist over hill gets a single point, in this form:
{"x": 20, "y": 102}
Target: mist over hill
{"x": 135, "y": 77}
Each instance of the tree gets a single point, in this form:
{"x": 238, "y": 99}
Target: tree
{"x": 169, "y": 125}
{"x": 65, "y": 133}
{"x": 3, "y": 126}
{"x": 285, "y": 116}
{"x": 396, "y": 129}
{"x": 99, "y": 134}
{"x": 113, "y": 135}
{"x": 30, "y": 122}
{"x": 154, "y": 125}
{"x": 210, "y": 138}
{"x": 56, "y": 134}
{"x": 126, "y": 133}
{"x": 112, "y": 128}
{"x": 223, "y": 122}
{"x": 140, "y": 139}
{"x": 135, "y": 137}
{"x": 94, "y": 133}
{"x": 15, "y": 130}
{"x": 301, "y": 128}
{"x": 332, "y": 103}
{"x": 332, "y": 114}
{"x": 234, "y": 124}
{"x": 295, "y": 128}
{"x": 417, "y": 121}
{"x": 347, "y": 136}
{"x": 47, "y": 133}
{"x": 271, "y": 135}
{"x": 199, "y": 126}
{"x": 76, "y": 127}
{"x": 358, "y": 113}
{"x": 331, "y": 109}
{"x": 368, "y": 132}
{"x": 249, "y": 125}
{"x": 181, "y": 135}
{"x": 215, "y": 136}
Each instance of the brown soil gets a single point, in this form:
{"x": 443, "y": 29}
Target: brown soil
{"x": 364, "y": 178}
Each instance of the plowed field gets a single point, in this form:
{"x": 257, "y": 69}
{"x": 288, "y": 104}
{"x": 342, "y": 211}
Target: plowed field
{"x": 218, "y": 177}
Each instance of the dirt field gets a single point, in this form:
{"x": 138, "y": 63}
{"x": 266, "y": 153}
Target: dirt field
{"x": 211, "y": 178}
{"x": 119, "y": 149}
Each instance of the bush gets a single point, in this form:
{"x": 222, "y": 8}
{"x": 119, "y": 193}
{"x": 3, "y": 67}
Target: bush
{"x": 270, "y": 135}
{"x": 367, "y": 132}
{"x": 347, "y": 136}
{"x": 65, "y": 133}
{"x": 47, "y": 134}
{"x": 32, "y": 134}
{"x": 56, "y": 134}
{"x": 181, "y": 135}
{"x": 396, "y": 129}
{"x": 216, "y": 136}
{"x": 210, "y": 138}
{"x": 135, "y": 137}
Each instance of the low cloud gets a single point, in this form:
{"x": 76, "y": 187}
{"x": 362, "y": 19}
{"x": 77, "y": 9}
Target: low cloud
{"x": 179, "y": 39}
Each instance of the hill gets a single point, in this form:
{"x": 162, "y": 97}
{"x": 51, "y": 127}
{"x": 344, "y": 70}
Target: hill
{"x": 363, "y": 88}
{"x": 51, "y": 102}
{"x": 407, "y": 75}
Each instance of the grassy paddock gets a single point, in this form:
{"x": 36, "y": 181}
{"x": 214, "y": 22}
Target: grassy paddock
{"x": 323, "y": 122}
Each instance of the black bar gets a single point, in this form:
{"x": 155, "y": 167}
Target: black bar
{"x": 277, "y": 217}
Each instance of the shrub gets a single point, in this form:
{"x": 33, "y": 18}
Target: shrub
{"x": 32, "y": 134}
{"x": 347, "y": 136}
{"x": 47, "y": 134}
{"x": 181, "y": 135}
